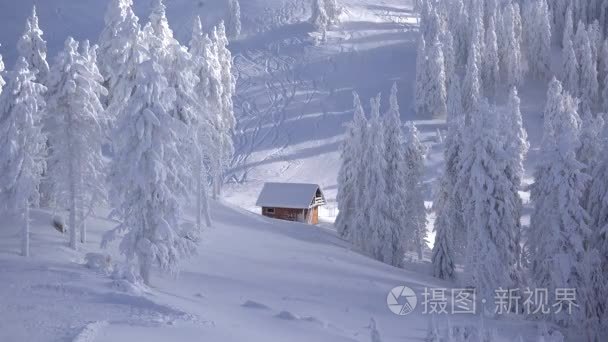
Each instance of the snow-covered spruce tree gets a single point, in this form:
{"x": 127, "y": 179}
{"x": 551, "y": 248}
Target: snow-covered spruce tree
{"x": 516, "y": 147}
{"x": 359, "y": 226}
{"x": 227, "y": 120}
{"x": 348, "y": 183}
{"x": 603, "y": 72}
{"x": 32, "y": 47}
{"x": 471, "y": 92}
{"x": 588, "y": 87}
{"x": 596, "y": 39}
{"x": 396, "y": 178}
{"x": 457, "y": 16}
{"x": 234, "y": 19}
{"x": 333, "y": 11}
{"x": 568, "y": 30}
{"x": 158, "y": 27}
{"x": 415, "y": 213}
{"x": 22, "y": 145}
{"x": 208, "y": 92}
{"x": 375, "y": 222}
{"x": 558, "y": 226}
{"x": 513, "y": 65}
{"x": 597, "y": 207}
{"x": 146, "y": 188}
{"x": 570, "y": 68}
{"x": 75, "y": 134}
{"x": 490, "y": 214}
{"x": 2, "y": 81}
{"x": 422, "y": 78}
{"x": 436, "y": 95}
{"x": 590, "y": 147}
{"x": 477, "y": 30}
{"x": 319, "y": 18}
{"x": 492, "y": 62}
{"x": 449, "y": 227}
{"x": 538, "y": 42}
{"x": 118, "y": 53}
{"x": 449, "y": 56}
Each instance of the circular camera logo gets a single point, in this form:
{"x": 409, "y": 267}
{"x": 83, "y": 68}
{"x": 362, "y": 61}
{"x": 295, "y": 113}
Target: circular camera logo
{"x": 401, "y": 300}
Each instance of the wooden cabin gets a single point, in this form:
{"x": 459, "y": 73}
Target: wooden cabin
{"x": 291, "y": 201}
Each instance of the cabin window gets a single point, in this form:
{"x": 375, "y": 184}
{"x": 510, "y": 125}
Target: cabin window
{"x": 270, "y": 210}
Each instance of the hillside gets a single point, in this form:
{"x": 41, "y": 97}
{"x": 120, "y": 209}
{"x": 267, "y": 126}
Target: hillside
{"x": 254, "y": 279}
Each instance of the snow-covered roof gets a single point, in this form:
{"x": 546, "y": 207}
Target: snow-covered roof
{"x": 289, "y": 195}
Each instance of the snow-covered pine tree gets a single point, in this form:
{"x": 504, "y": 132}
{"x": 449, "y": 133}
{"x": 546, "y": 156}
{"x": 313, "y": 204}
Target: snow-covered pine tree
{"x": 604, "y": 75}
{"x": 590, "y": 147}
{"x": 512, "y": 32}
{"x": 120, "y": 51}
{"x": 333, "y": 11}
{"x": 516, "y": 147}
{"x": 75, "y": 134}
{"x": 158, "y": 27}
{"x": 227, "y": 120}
{"x": 492, "y": 62}
{"x": 396, "y": 178}
{"x": 477, "y": 31}
{"x": 557, "y": 10}
{"x": 32, "y": 47}
{"x": 449, "y": 226}
{"x": 588, "y": 86}
{"x": 319, "y": 18}
{"x": 22, "y": 145}
{"x": 558, "y": 226}
{"x": 146, "y": 188}
{"x": 422, "y": 78}
{"x": 360, "y": 217}
{"x": 436, "y": 94}
{"x": 597, "y": 207}
{"x": 376, "y": 222}
{"x": 538, "y": 42}
{"x": 234, "y": 19}
{"x": 208, "y": 91}
{"x": 568, "y": 30}
{"x": 415, "y": 213}
{"x": 449, "y": 56}
{"x": 570, "y": 68}
{"x": 2, "y": 81}
{"x": 489, "y": 213}
{"x": 348, "y": 183}
{"x": 457, "y": 15}
{"x": 471, "y": 94}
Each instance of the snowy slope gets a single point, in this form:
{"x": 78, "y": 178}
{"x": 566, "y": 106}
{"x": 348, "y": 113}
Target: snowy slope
{"x": 255, "y": 279}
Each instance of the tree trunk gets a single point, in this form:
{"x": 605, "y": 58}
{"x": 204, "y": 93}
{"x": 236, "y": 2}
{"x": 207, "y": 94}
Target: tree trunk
{"x": 73, "y": 225}
{"x": 145, "y": 267}
{"x": 202, "y": 203}
{"x": 25, "y": 233}
{"x": 419, "y": 245}
{"x": 199, "y": 190}
{"x": 83, "y": 223}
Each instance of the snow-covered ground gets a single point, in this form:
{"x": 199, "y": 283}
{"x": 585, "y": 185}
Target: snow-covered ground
{"x": 254, "y": 279}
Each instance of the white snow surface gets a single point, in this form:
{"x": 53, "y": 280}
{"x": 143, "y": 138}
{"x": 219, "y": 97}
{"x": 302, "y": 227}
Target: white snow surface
{"x": 254, "y": 278}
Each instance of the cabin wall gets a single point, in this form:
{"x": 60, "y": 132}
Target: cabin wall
{"x": 296, "y": 215}
{"x": 282, "y": 213}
